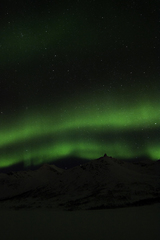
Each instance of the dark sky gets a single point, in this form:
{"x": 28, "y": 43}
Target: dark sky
{"x": 79, "y": 79}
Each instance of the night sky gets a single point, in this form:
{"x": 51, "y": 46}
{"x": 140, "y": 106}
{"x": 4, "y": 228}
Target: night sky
{"x": 79, "y": 79}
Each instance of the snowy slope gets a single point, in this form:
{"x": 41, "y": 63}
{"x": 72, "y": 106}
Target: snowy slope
{"x": 15, "y": 183}
{"x": 101, "y": 183}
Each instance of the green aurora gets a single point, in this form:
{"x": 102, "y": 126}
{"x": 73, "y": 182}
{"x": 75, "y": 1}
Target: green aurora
{"x": 78, "y": 79}
{"x": 43, "y": 136}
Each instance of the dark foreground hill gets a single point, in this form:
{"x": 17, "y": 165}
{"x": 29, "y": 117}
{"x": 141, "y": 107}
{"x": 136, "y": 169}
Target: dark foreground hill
{"x": 102, "y": 183}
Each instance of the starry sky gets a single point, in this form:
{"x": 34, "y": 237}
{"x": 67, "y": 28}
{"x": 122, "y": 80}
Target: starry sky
{"x": 79, "y": 79}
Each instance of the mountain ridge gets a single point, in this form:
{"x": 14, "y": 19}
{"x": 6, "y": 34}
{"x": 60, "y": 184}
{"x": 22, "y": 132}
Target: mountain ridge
{"x": 101, "y": 183}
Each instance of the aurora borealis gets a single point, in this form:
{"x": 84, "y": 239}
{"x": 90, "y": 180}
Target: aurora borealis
{"x": 78, "y": 80}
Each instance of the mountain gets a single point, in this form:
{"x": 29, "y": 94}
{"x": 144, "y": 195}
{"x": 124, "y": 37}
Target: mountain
{"x": 102, "y": 183}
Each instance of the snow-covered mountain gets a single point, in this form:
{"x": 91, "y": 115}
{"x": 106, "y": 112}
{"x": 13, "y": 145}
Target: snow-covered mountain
{"x": 102, "y": 183}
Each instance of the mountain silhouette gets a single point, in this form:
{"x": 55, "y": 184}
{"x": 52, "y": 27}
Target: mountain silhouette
{"x": 102, "y": 183}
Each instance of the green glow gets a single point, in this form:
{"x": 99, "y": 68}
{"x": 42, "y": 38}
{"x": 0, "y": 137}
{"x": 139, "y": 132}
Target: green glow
{"x": 116, "y": 119}
{"x": 154, "y": 151}
{"x": 81, "y": 132}
{"x": 79, "y": 86}
{"x": 83, "y": 149}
